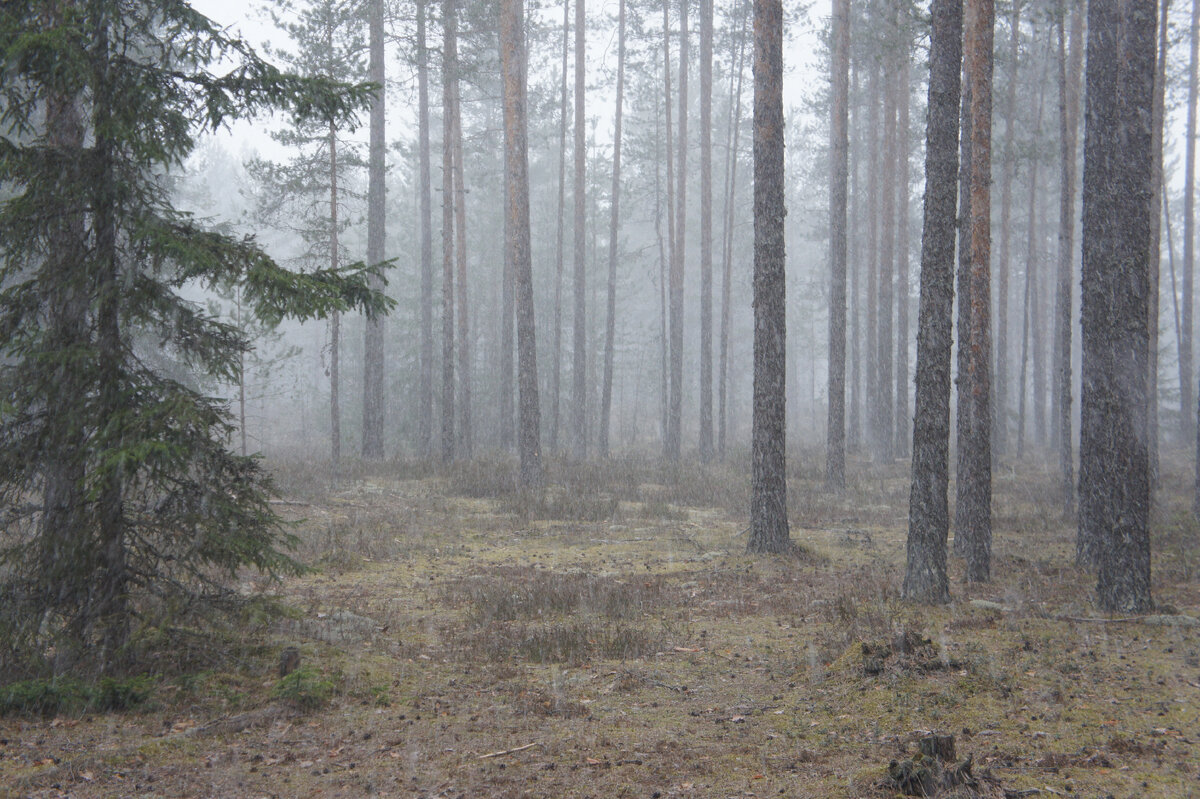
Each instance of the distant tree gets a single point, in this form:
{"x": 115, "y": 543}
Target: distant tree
{"x": 674, "y": 442}
{"x": 123, "y": 500}
{"x": 1114, "y": 484}
{"x": 613, "y": 227}
{"x": 373, "y": 355}
{"x": 928, "y": 512}
{"x": 579, "y": 341}
{"x": 768, "y": 503}
{"x": 835, "y": 448}
{"x": 731, "y": 162}
{"x": 449, "y": 69}
{"x": 425, "y": 398}
{"x": 559, "y": 236}
{"x": 512, "y": 64}
{"x": 1187, "y": 403}
{"x": 706, "y": 359}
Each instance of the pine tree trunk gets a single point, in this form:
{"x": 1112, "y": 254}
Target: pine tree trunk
{"x": 668, "y": 342}
{"x": 1004, "y": 255}
{"x": 373, "y": 403}
{"x": 885, "y": 299}
{"x": 925, "y": 577}
{"x": 1070, "y": 68}
{"x": 560, "y": 236}
{"x": 425, "y": 400}
{"x": 675, "y": 417}
{"x": 963, "y": 406}
{"x": 516, "y": 170}
{"x": 768, "y": 504}
{"x": 903, "y": 387}
{"x": 1156, "y": 147}
{"x": 1033, "y": 306}
{"x": 854, "y": 431}
{"x": 1114, "y": 486}
{"x": 839, "y": 146}
{"x": 872, "y": 262}
{"x": 1187, "y": 395}
{"x": 465, "y": 434}
{"x": 973, "y": 521}
{"x": 610, "y": 332}
{"x": 335, "y": 321}
{"x": 706, "y": 376}
{"x": 731, "y": 161}
{"x": 449, "y": 67}
{"x": 507, "y": 310}
{"x": 579, "y": 358}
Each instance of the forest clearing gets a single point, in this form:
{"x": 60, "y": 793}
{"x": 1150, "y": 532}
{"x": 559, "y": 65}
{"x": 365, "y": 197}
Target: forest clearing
{"x": 613, "y": 639}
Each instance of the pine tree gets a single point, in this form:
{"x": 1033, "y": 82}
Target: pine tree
{"x": 125, "y": 501}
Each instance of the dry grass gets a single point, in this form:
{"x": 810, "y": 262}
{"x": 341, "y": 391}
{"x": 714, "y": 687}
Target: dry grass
{"x": 609, "y": 638}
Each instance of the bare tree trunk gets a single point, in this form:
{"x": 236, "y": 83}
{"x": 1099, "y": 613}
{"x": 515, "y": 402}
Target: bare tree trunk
{"x": 903, "y": 418}
{"x": 885, "y": 299}
{"x": 974, "y": 521}
{"x": 449, "y": 66}
{"x": 925, "y": 578}
{"x": 1187, "y": 402}
{"x": 610, "y": 332}
{"x": 854, "y": 434}
{"x": 839, "y": 147}
{"x": 663, "y": 260}
{"x": 671, "y": 240}
{"x": 579, "y": 358}
{"x": 706, "y": 377}
{"x": 731, "y": 162}
{"x": 675, "y": 418}
{"x": 1114, "y": 485}
{"x": 335, "y": 322}
{"x": 516, "y": 170}
{"x": 768, "y": 505}
{"x": 559, "y": 255}
{"x": 1004, "y": 259}
{"x": 873, "y": 269}
{"x": 1156, "y": 147}
{"x": 465, "y": 435}
{"x": 963, "y": 320}
{"x": 373, "y": 354}
{"x": 425, "y": 400}
{"x": 1070, "y": 68}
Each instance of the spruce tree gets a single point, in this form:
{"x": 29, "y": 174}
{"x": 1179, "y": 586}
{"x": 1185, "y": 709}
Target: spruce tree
{"x": 124, "y": 501}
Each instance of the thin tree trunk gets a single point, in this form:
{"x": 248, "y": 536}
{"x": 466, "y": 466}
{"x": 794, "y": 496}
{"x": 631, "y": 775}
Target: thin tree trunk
{"x": 512, "y": 65}
{"x": 663, "y": 260}
{"x": 731, "y": 160}
{"x": 885, "y": 299}
{"x": 925, "y": 577}
{"x": 465, "y": 434}
{"x": 963, "y": 321}
{"x": 335, "y": 322}
{"x": 974, "y": 520}
{"x": 579, "y": 357}
{"x": 1033, "y": 260}
{"x": 1156, "y": 146}
{"x": 1187, "y": 395}
{"x": 373, "y": 351}
{"x": 449, "y": 67}
{"x": 675, "y": 418}
{"x": 1069, "y": 73}
{"x": 768, "y": 505}
{"x": 425, "y": 400}
{"x": 1004, "y": 259}
{"x": 559, "y": 255}
{"x": 507, "y": 311}
{"x": 854, "y": 434}
{"x": 839, "y": 147}
{"x": 671, "y": 240}
{"x": 706, "y": 377}
{"x": 903, "y": 387}
{"x": 610, "y": 332}
{"x": 872, "y": 298}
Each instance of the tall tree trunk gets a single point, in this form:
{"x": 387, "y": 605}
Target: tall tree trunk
{"x": 669, "y": 367}
{"x": 559, "y": 238}
{"x": 925, "y": 577}
{"x": 1156, "y": 147}
{"x": 706, "y": 377}
{"x": 516, "y": 170}
{"x": 449, "y": 67}
{"x": 425, "y": 400}
{"x": 903, "y": 419}
{"x": 373, "y": 404}
{"x": 885, "y": 299}
{"x": 1114, "y": 486}
{"x": 675, "y": 419}
{"x": 963, "y": 321}
{"x": 974, "y": 521}
{"x": 768, "y": 504}
{"x": 731, "y": 163}
{"x": 854, "y": 433}
{"x": 610, "y": 332}
{"x": 579, "y": 358}
{"x": 839, "y": 147}
{"x": 1033, "y": 305}
{"x": 465, "y": 434}
{"x": 1004, "y": 260}
{"x": 507, "y": 311}
{"x": 663, "y": 260}
{"x": 872, "y": 297}
{"x": 1187, "y": 402}
{"x": 1070, "y": 69}
{"x": 335, "y": 321}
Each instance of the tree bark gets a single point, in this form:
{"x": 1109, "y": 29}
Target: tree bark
{"x": 885, "y": 299}
{"x": 579, "y": 357}
{"x": 925, "y": 577}
{"x": 668, "y": 285}
{"x": 560, "y": 236}
{"x": 974, "y": 522}
{"x": 610, "y": 332}
{"x": 373, "y": 351}
{"x": 731, "y": 162}
{"x": 335, "y": 322}
{"x": 425, "y": 398}
{"x": 1004, "y": 256}
{"x": 512, "y": 65}
{"x": 675, "y": 417}
{"x": 1156, "y": 147}
{"x": 1187, "y": 393}
{"x": 706, "y": 377}
{"x": 1114, "y": 486}
{"x": 465, "y": 435}
{"x": 768, "y": 505}
{"x": 903, "y": 387}
{"x": 839, "y": 147}
{"x": 449, "y": 66}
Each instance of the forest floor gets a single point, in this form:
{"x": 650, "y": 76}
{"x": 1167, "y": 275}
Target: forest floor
{"x": 612, "y": 639}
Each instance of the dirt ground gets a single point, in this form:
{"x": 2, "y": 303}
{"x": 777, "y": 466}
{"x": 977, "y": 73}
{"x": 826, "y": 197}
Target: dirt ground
{"x": 612, "y": 639}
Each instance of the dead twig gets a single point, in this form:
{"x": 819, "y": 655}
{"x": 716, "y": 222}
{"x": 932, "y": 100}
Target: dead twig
{"x": 514, "y": 750}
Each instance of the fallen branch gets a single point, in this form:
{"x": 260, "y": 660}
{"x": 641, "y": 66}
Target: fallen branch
{"x": 510, "y": 751}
